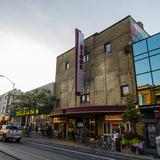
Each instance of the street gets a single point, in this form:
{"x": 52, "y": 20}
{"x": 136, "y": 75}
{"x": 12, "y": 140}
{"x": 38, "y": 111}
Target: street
{"x": 37, "y": 151}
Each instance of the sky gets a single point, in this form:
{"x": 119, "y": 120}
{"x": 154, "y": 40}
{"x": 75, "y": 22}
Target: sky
{"x": 34, "y": 32}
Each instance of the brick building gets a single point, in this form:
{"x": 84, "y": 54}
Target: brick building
{"x": 108, "y": 78}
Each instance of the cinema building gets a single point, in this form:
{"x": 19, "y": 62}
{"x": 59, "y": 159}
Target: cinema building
{"x": 93, "y": 79}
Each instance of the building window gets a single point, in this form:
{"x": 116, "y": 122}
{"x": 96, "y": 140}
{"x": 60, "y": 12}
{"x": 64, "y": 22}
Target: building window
{"x": 107, "y": 47}
{"x": 147, "y": 67}
{"x": 158, "y": 98}
{"x": 58, "y": 103}
{"x": 124, "y": 90}
{"x": 85, "y": 98}
{"x": 86, "y": 54}
{"x": 67, "y": 65}
{"x": 142, "y": 99}
{"x": 86, "y": 57}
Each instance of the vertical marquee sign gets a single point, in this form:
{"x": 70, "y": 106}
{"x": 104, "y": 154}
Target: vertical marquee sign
{"x": 79, "y": 50}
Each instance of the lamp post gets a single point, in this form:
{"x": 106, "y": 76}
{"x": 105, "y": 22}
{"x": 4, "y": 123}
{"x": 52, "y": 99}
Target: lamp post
{"x": 8, "y": 80}
{"x": 9, "y": 96}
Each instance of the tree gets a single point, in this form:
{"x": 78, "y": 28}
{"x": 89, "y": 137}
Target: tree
{"x": 131, "y": 114}
{"x": 32, "y": 99}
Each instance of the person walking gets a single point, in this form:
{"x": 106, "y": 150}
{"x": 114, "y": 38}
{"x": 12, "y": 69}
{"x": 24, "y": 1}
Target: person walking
{"x": 43, "y": 129}
{"x": 117, "y": 139}
{"x": 36, "y": 130}
{"x": 49, "y": 131}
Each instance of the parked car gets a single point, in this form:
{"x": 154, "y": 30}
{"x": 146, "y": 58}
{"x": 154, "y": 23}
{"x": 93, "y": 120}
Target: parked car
{"x": 10, "y": 132}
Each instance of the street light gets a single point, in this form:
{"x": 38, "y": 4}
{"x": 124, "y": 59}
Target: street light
{"x": 8, "y": 80}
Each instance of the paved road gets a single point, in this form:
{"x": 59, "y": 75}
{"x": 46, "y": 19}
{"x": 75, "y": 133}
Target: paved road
{"x": 37, "y": 151}
{"x": 4, "y": 156}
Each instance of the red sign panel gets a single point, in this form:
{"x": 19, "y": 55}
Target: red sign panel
{"x": 79, "y": 48}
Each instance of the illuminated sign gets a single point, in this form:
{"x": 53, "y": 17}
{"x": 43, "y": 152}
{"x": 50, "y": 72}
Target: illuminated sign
{"x": 46, "y": 109}
{"x": 79, "y": 48}
{"x": 113, "y": 117}
{"x": 25, "y": 112}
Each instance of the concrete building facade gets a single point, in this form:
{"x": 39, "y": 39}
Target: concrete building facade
{"x": 108, "y": 78}
{"x": 5, "y": 100}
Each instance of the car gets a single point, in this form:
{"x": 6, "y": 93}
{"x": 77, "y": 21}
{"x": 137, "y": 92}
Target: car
{"x": 10, "y": 132}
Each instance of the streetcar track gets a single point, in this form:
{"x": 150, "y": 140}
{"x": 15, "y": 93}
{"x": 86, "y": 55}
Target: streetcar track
{"x": 9, "y": 155}
{"x": 27, "y": 152}
{"x": 57, "y": 149}
{"x": 88, "y": 152}
{"x": 60, "y": 149}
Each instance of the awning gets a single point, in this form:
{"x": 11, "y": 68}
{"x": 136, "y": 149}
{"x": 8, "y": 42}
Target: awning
{"x": 88, "y": 110}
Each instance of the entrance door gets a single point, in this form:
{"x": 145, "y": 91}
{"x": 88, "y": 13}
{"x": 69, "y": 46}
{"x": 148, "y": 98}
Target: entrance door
{"x": 151, "y": 134}
{"x": 107, "y": 132}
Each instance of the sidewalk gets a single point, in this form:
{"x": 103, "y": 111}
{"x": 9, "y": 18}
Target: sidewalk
{"x": 148, "y": 155}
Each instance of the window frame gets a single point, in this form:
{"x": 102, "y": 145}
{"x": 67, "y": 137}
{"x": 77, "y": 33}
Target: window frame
{"x": 150, "y": 77}
{"x": 122, "y": 91}
{"x": 105, "y": 47}
{"x": 67, "y": 65}
{"x": 86, "y": 97}
{"x": 86, "y": 57}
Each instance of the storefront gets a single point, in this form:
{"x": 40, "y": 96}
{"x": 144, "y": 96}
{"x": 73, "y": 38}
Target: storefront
{"x": 71, "y": 121}
{"x": 32, "y": 116}
{"x": 112, "y": 123}
{"x": 151, "y": 125}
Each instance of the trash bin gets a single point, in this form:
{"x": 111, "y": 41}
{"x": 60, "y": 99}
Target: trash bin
{"x": 158, "y": 144}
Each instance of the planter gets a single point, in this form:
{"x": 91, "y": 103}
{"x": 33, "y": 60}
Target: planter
{"x": 132, "y": 149}
{"x": 126, "y": 149}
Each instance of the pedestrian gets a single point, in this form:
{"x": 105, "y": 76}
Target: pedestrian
{"x": 73, "y": 134}
{"x": 117, "y": 139}
{"x": 84, "y": 135}
{"x": 30, "y": 128}
{"x": 27, "y": 130}
{"x": 43, "y": 130}
{"x": 49, "y": 131}
{"x": 36, "y": 130}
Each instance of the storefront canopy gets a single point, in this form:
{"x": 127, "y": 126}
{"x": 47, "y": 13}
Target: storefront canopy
{"x": 89, "y": 109}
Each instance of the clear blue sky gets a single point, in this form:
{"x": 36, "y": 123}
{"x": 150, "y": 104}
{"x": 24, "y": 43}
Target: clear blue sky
{"x": 34, "y": 32}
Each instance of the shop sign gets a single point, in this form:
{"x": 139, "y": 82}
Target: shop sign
{"x": 58, "y": 120}
{"x": 113, "y": 117}
{"x": 26, "y": 112}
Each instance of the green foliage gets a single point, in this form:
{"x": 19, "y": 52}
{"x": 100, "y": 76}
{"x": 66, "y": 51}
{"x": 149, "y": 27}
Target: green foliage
{"x": 32, "y": 99}
{"x": 134, "y": 141}
{"x": 132, "y": 114}
{"x": 130, "y": 139}
{"x": 124, "y": 141}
